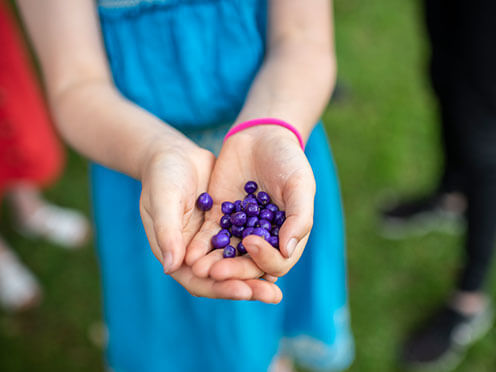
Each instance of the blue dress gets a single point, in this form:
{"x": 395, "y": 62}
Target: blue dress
{"x": 191, "y": 63}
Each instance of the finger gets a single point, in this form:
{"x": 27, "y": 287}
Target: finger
{"x": 298, "y": 195}
{"x": 201, "y": 287}
{"x": 270, "y": 278}
{"x": 235, "y": 268}
{"x": 266, "y": 257}
{"x": 201, "y": 267}
{"x": 201, "y": 244}
{"x": 150, "y": 234}
{"x": 265, "y": 291}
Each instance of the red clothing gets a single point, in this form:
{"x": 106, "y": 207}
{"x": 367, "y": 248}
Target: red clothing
{"x": 29, "y": 149}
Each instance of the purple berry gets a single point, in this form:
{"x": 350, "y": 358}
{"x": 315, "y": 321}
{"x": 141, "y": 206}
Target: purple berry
{"x": 204, "y": 202}
{"x": 220, "y": 241}
{"x": 261, "y": 232}
{"x": 227, "y": 207}
{"x": 272, "y": 207}
{"x": 241, "y": 248}
{"x": 251, "y": 196}
{"x": 279, "y": 218}
{"x": 225, "y": 221}
{"x": 238, "y": 206}
{"x": 237, "y": 231}
{"x": 274, "y": 241}
{"x": 229, "y": 252}
{"x": 225, "y": 231}
{"x": 251, "y": 221}
{"x": 252, "y": 210}
{"x": 245, "y": 203}
{"x": 266, "y": 214}
{"x": 263, "y": 198}
{"x": 266, "y": 234}
{"x": 238, "y": 218}
{"x": 264, "y": 224}
{"x": 251, "y": 187}
{"x": 275, "y": 231}
{"x": 247, "y": 231}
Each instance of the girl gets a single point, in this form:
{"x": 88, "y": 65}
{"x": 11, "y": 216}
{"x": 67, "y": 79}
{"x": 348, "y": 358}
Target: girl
{"x": 147, "y": 89}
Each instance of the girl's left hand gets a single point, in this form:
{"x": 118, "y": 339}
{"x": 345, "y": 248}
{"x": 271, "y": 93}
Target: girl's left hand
{"x": 271, "y": 156}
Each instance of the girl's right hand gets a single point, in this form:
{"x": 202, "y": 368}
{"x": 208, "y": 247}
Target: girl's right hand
{"x": 172, "y": 178}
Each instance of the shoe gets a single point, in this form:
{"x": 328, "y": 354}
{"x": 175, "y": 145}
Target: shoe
{"x": 19, "y": 289}
{"x": 441, "y": 344}
{"x": 437, "y": 212}
{"x": 61, "y": 226}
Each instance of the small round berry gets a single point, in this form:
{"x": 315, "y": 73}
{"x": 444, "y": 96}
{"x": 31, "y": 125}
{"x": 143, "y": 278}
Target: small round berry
{"x": 266, "y": 234}
{"x": 238, "y": 218}
{"x": 247, "y": 231}
{"x": 272, "y": 207}
{"x": 229, "y": 252}
{"x": 228, "y": 207}
{"x": 279, "y": 218}
{"x": 225, "y": 231}
{"x": 237, "y": 206}
{"x": 273, "y": 241}
{"x": 204, "y": 202}
{"x": 266, "y": 214}
{"x": 263, "y": 198}
{"x": 251, "y": 196}
{"x": 241, "y": 248}
{"x": 245, "y": 203}
{"x": 264, "y": 224}
{"x": 261, "y": 232}
{"x": 220, "y": 241}
{"x": 275, "y": 231}
{"x": 252, "y": 210}
{"x": 251, "y": 221}
{"x": 237, "y": 231}
{"x": 251, "y": 187}
{"x": 225, "y": 221}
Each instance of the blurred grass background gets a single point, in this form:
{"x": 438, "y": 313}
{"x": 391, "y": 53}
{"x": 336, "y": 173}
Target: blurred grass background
{"x": 384, "y": 135}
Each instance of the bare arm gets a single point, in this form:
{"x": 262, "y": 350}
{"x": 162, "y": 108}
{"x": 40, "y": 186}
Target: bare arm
{"x": 294, "y": 84}
{"x": 298, "y": 75}
{"x": 89, "y": 111}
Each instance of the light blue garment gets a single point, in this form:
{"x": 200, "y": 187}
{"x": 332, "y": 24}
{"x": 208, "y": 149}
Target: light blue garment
{"x": 191, "y": 64}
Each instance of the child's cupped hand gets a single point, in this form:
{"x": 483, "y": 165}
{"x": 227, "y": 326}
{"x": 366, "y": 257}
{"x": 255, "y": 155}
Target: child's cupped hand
{"x": 272, "y": 157}
{"x": 172, "y": 179}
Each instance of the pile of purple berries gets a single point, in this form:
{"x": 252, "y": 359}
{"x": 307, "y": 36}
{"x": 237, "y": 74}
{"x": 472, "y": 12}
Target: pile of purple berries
{"x": 255, "y": 215}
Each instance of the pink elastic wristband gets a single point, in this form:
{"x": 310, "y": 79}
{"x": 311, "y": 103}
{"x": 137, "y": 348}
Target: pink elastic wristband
{"x": 264, "y": 121}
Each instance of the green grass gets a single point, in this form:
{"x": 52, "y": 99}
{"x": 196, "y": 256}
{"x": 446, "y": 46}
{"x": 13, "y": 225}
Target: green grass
{"x": 385, "y": 139}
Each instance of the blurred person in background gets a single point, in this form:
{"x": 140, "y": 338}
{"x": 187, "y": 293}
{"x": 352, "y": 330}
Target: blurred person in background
{"x": 463, "y": 74}
{"x": 147, "y": 89}
{"x": 30, "y": 158}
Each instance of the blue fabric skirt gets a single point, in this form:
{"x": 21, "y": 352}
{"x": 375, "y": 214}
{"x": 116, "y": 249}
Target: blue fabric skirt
{"x": 188, "y": 63}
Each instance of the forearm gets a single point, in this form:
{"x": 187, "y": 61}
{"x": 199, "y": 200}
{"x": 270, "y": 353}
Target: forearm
{"x": 97, "y": 121}
{"x": 89, "y": 112}
{"x": 294, "y": 85}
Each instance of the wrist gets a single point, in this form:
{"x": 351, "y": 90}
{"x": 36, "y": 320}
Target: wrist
{"x": 159, "y": 150}
{"x": 271, "y": 128}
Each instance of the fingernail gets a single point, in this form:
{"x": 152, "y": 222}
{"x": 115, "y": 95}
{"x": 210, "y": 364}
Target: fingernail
{"x": 290, "y": 248}
{"x": 168, "y": 262}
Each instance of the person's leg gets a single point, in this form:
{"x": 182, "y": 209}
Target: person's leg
{"x": 19, "y": 289}
{"x": 38, "y": 218}
{"x": 442, "y": 208}
{"x": 472, "y": 104}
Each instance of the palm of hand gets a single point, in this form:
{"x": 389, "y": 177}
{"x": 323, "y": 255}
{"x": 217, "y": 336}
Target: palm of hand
{"x": 280, "y": 168}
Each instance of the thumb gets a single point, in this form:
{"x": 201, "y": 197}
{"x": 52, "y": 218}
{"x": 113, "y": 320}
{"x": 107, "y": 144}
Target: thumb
{"x": 298, "y": 197}
{"x": 167, "y": 225}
